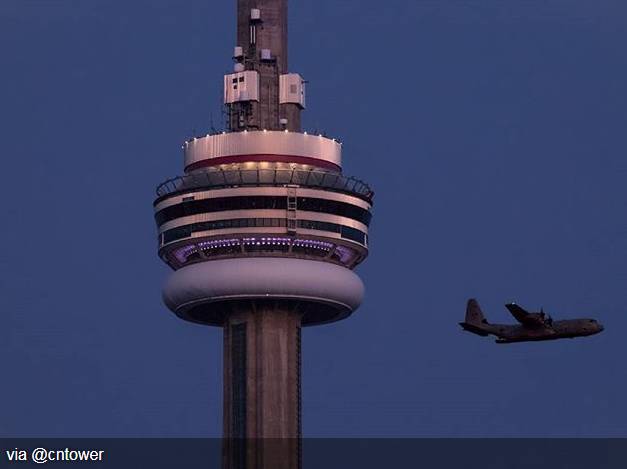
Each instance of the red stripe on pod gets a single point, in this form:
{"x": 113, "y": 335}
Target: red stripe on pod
{"x": 263, "y": 158}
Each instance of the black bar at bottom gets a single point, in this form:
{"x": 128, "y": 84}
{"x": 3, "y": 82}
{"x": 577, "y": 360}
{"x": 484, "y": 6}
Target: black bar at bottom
{"x": 324, "y": 453}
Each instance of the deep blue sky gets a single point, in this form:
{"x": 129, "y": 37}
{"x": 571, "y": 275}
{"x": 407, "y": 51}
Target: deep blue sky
{"x": 492, "y": 131}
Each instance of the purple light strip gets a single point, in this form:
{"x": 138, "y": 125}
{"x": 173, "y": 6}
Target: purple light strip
{"x": 182, "y": 254}
{"x": 267, "y": 241}
{"x": 220, "y": 243}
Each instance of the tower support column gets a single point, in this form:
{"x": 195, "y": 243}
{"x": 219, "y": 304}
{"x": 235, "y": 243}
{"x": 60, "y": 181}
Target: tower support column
{"x": 262, "y": 405}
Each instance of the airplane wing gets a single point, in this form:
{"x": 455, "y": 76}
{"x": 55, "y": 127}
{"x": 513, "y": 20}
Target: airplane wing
{"x": 525, "y": 317}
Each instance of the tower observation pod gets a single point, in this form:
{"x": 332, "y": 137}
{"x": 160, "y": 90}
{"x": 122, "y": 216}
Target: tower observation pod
{"x": 263, "y": 232}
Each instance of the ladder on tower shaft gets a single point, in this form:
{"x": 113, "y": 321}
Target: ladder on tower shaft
{"x": 292, "y": 208}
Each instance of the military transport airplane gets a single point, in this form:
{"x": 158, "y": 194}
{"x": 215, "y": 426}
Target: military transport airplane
{"x": 533, "y": 326}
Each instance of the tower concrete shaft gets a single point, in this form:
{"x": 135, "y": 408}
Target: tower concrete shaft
{"x": 269, "y": 31}
{"x": 262, "y": 388}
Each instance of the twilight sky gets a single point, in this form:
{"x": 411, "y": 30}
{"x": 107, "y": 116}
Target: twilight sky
{"x": 493, "y": 132}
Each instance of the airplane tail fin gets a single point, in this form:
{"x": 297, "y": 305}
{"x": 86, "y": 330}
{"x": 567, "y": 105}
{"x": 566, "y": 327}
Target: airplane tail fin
{"x": 474, "y": 315}
{"x": 475, "y": 320}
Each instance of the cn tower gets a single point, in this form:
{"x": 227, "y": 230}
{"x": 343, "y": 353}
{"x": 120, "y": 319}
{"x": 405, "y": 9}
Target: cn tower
{"x": 263, "y": 232}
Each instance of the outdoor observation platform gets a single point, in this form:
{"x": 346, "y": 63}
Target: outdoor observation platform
{"x": 258, "y": 175}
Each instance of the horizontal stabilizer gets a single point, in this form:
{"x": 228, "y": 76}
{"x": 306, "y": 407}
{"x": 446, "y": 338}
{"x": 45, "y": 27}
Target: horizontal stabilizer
{"x": 474, "y": 329}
